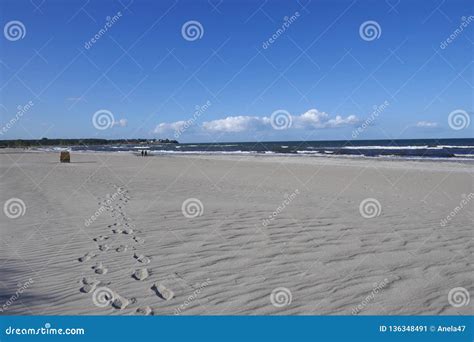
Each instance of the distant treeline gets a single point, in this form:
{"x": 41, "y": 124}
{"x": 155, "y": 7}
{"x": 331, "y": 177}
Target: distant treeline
{"x": 84, "y": 142}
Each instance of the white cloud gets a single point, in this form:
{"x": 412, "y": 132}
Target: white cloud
{"x": 233, "y": 124}
{"x": 316, "y": 119}
{"x": 165, "y": 127}
{"x": 312, "y": 119}
{"x": 426, "y": 124}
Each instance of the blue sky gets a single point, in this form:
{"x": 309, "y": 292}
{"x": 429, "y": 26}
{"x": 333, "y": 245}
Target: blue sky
{"x": 318, "y": 72}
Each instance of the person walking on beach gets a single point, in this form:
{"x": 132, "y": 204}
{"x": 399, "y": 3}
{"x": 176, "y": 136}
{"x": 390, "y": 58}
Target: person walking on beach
{"x": 142, "y": 153}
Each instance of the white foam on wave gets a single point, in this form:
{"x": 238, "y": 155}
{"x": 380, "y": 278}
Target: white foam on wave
{"x": 409, "y": 147}
{"x": 51, "y": 149}
{"x": 391, "y": 147}
{"x": 202, "y": 152}
{"x": 454, "y": 146}
{"x": 308, "y": 152}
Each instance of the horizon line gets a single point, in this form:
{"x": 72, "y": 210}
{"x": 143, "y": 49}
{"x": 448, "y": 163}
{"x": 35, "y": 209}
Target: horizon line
{"x": 236, "y": 142}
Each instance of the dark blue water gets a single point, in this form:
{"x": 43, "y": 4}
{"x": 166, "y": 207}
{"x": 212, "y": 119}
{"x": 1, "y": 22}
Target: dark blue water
{"x": 405, "y": 148}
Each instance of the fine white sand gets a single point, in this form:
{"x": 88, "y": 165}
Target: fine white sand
{"x": 141, "y": 255}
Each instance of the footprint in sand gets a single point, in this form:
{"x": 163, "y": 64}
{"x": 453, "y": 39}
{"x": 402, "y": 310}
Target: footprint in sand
{"x": 101, "y": 238}
{"x": 121, "y": 303}
{"x": 87, "y": 257}
{"x": 128, "y": 231}
{"x": 104, "y": 247}
{"x": 141, "y": 274}
{"x": 145, "y": 310}
{"x": 138, "y": 240}
{"x": 117, "y": 231}
{"x": 89, "y": 285}
{"x": 121, "y": 248}
{"x": 162, "y": 291}
{"x": 99, "y": 268}
{"x": 142, "y": 258}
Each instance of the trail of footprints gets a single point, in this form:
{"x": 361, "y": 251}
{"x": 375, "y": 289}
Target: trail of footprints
{"x": 122, "y": 226}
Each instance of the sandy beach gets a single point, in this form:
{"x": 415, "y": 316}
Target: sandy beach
{"x": 228, "y": 235}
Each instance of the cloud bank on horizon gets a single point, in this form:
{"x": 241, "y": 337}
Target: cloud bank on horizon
{"x": 279, "y": 120}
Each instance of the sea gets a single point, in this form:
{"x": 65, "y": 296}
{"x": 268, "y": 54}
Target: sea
{"x": 420, "y": 149}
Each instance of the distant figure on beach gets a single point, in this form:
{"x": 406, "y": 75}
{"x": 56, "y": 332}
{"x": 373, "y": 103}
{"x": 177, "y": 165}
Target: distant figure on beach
{"x": 146, "y": 153}
{"x": 142, "y": 153}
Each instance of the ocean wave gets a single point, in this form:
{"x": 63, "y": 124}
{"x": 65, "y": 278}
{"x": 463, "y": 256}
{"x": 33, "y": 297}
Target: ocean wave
{"x": 308, "y": 152}
{"x": 454, "y": 146}
{"x": 390, "y": 147}
{"x": 51, "y": 149}
{"x": 408, "y": 147}
{"x": 202, "y": 152}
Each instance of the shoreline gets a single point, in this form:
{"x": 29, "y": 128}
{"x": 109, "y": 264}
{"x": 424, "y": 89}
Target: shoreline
{"x": 429, "y": 164}
{"x": 232, "y": 154}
